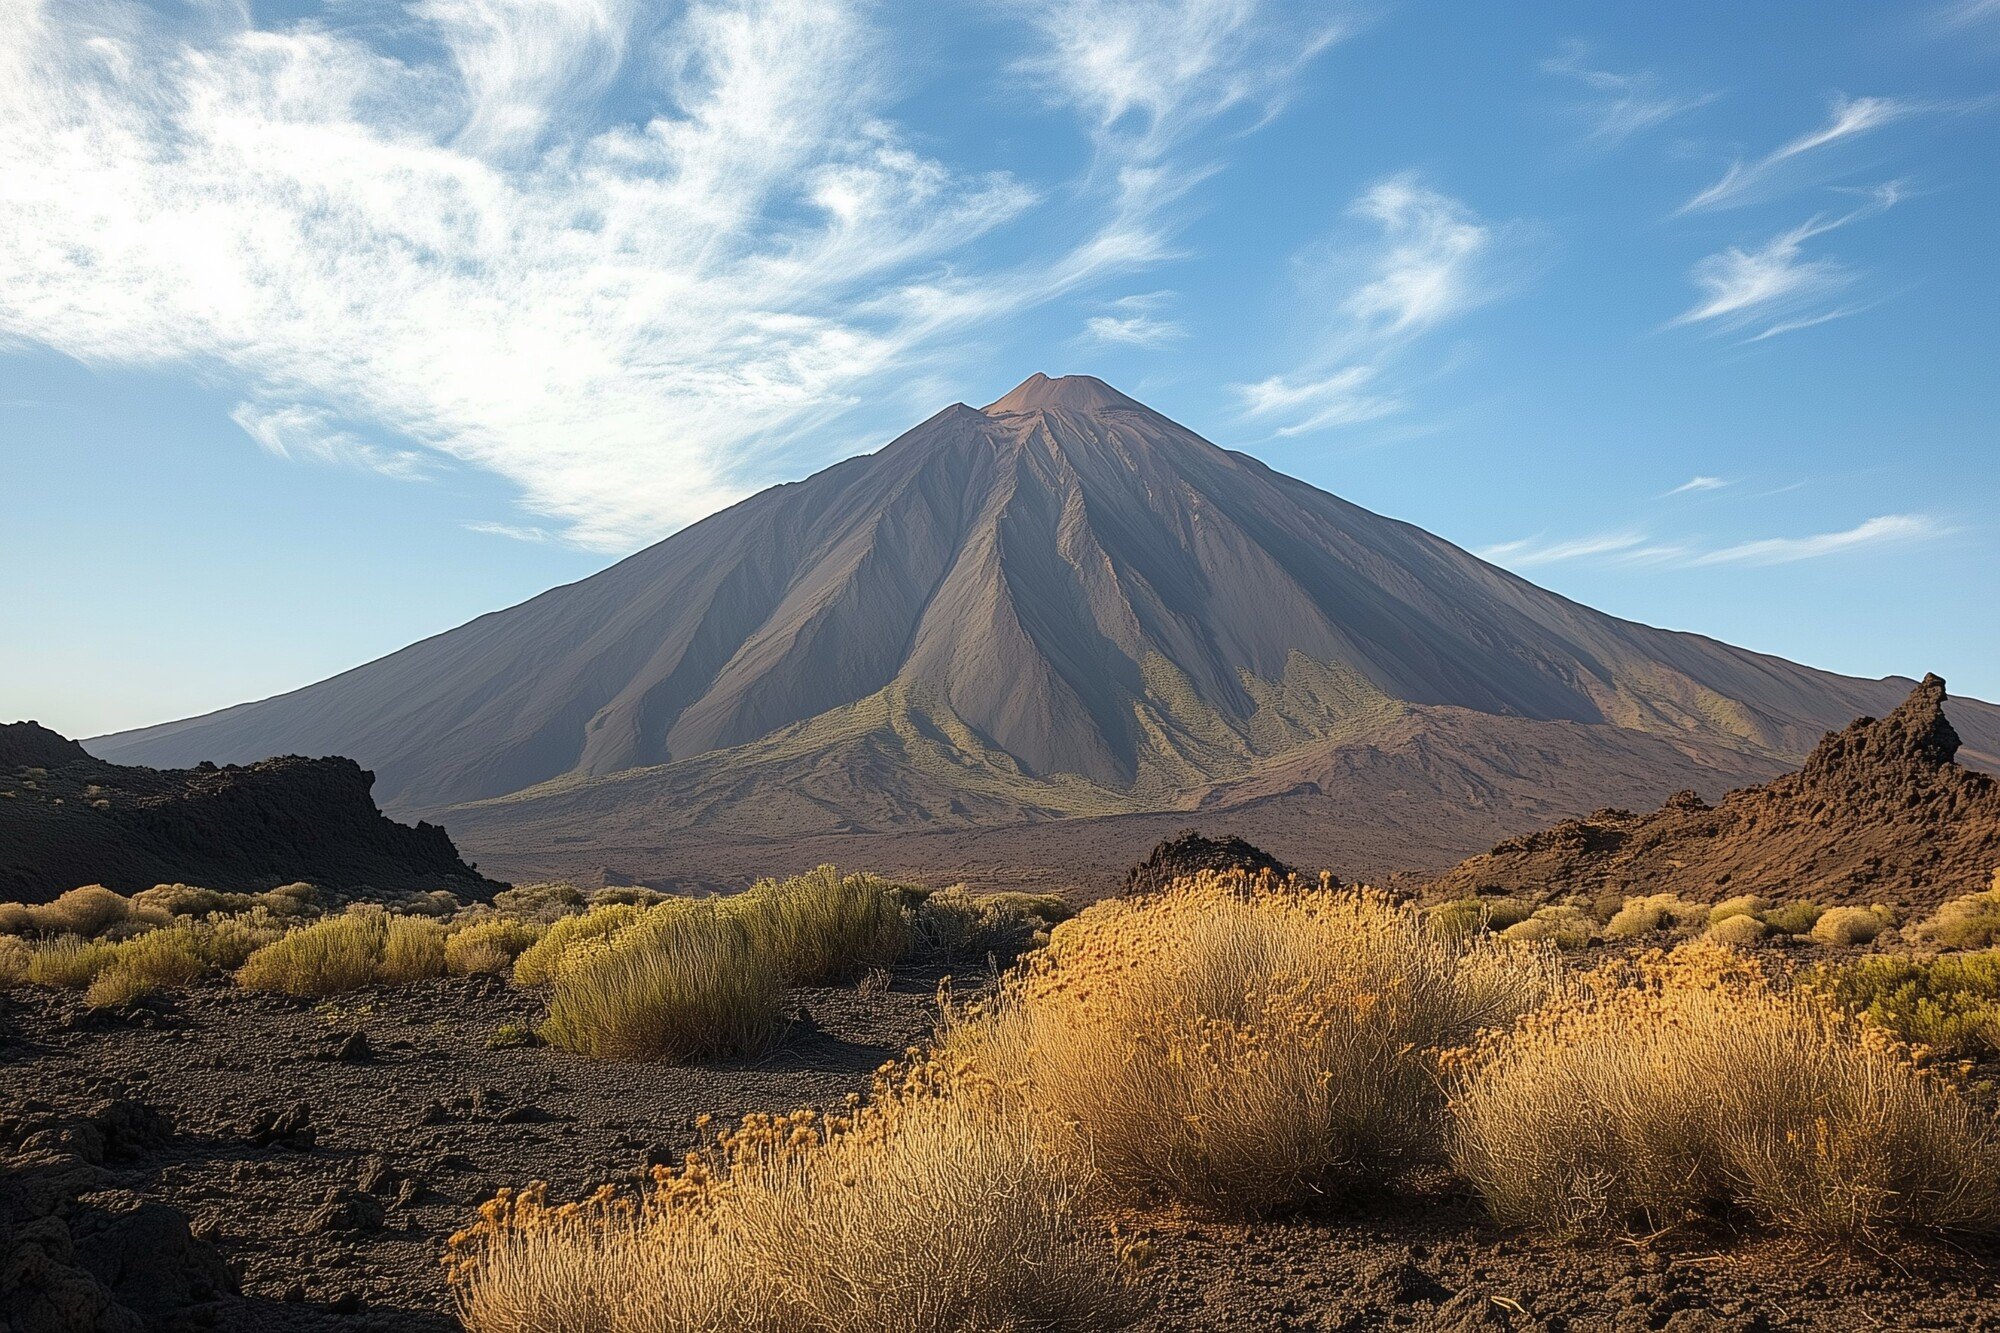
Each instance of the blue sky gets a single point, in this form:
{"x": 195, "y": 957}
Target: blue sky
{"x": 326, "y": 327}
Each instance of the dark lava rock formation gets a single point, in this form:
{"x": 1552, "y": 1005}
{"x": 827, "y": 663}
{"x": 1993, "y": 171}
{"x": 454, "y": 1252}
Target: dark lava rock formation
{"x": 1879, "y": 812}
{"x": 1190, "y": 852}
{"x": 68, "y": 819}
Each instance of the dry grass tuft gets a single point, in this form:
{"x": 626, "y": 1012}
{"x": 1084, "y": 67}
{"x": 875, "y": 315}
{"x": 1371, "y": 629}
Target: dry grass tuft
{"x": 1242, "y": 1048}
{"x": 88, "y": 911}
{"x": 70, "y": 962}
{"x": 1685, "y": 1085}
{"x": 412, "y": 950}
{"x": 157, "y": 960}
{"x": 918, "y": 1214}
{"x": 1654, "y": 912}
{"x": 1565, "y": 927}
{"x": 1738, "y": 931}
{"x": 682, "y": 984}
{"x": 1968, "y": 922}
{"x": 956, "y": 925}
{"x": 15, "y": 959}
{"x": 1845, "y": 927}
{"x": 822, "y": 926}
{"x": 361, "y": 947}
{"x": 488, "y": 946}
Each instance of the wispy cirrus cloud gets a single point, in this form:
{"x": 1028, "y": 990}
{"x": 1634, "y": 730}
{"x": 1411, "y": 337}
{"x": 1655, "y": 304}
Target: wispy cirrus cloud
{"x": 1425, "y": 259}
{"x": 1849, "y": 117}
{"x": 1619, "y": 106}
{"x": 1698, "y": 483}
{"x": 1638, "y": 548}
{"x": 1779, "y": 284}
{"x": 438, "y": 225}
{"x": 1136, "y": 321}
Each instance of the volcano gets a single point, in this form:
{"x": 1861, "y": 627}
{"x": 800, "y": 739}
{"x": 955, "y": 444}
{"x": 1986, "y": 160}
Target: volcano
{"x": 1061, "y": 620}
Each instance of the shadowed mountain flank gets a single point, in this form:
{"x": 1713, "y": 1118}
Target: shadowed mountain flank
{"x": 1063, "y": 606}
{"x": 1879, "y": 812}
{"x": 68, "y": 819}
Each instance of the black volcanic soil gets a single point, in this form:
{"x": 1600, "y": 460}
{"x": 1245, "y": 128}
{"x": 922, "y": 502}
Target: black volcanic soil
{"x": 428, "y": 1122}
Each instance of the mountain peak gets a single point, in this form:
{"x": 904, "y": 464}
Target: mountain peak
{"x": 1066, "y": 393}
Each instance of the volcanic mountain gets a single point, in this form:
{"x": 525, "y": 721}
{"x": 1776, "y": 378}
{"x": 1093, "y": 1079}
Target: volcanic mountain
{"x": 1060, "y": 607}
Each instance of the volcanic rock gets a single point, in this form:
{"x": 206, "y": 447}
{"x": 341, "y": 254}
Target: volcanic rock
{"x": 1879, "y": 812}
{"x": 1189, "y": 853}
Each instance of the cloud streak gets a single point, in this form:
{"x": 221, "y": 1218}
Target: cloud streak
{"x": 1849, "y": 117}
{"x": 1425, "y": 259}
{"x": 1634, "y": 548}
{"x": 441, "y": 231}
{"x": 1621, "y": 105}
{"x": 1778, "y": 281}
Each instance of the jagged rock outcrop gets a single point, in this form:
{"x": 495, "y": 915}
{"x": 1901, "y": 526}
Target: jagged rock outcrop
{"x": 68, "y": 819}
{"x": 1879, "y": 812}
{"x": 1190, "y": 852}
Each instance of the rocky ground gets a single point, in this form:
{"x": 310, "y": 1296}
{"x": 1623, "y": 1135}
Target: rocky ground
{"x": 236, "y": 1161}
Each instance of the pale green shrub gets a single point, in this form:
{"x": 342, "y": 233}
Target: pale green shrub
{"x": 488, "y": 946}
{"x": 1849, "y": 926}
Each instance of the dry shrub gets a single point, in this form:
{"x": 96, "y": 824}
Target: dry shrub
{"x": 336, "y": 954}
{"x": 1653, "y": 912}
{"x": 1848, "y": 926}
{"x": 1743, "y": 904}
{"x": 1968, "y": 922}
{"x": 412, "y": 950}
{"x": 679, "y": 985}
{"x": 296, "y": 899}
{"x": 1243, "y": 1048}
{"x": 539, "y": 962}
{"x": 918, "y": 1214}
{"x": 227, "y": 941}
{"x": 70, "y": 962}
{"x": 17, "y": 919}
{"x": 157, "y": 960}
{"x": 1949, "y": 1004}
{"x": 539, "y": 902}
{"x": 1737, "y": 931}
{"x": 487, "y": 946}
{"x": 15, "y": 957}
{"x": 1469, "y": 916}
{"x": 1565, "y": 927}
{"x": 88, "y": 911}
{"x": 822, "y": 926}
{"x": 955, "y": 925}
{"x": 1794, "y": 918}
{"x": 1682, "y": 1085}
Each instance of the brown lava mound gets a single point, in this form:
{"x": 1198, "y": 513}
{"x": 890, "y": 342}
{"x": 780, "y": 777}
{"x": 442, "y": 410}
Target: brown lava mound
{"x": 1878, "y": 812}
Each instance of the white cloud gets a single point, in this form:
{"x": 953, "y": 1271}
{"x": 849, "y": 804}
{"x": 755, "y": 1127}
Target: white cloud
{"x": 1135, "y": 322}
{"x": 1849, "y": 117}
{"x": 437, "y": 228}
{"x": 1693, "y": 484}
{"x": 1631, "y": 548}
{"x": 308, "y": 433}
{"x": 1778, "y": 281}
{"x": 1427, "y": 259}
{"x": 1887, "y": 528}
{"x": 1621, "y": 105}
{"x": 512, "y": 531}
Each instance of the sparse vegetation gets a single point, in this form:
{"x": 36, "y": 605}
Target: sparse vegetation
{"x": 927, "y": 1211}
{"x": 488, "y": 946}
{"x": 154, "y": 961}
{"x": 1654, "y": 912}
{"x": 955, "y": 925}
{"x": 822, "y": 926}
{"x": 1794, "y": 918}
{"x": 1968, "y": 922}
{"x": 1242, "y": 1048}
{"x": 361, "y": 947}
{"x": 1739, "y": 930}
{"x": 682, "y": 984}
{"x": 1564, "y": 926}
{"x": 1469, "y": 916}
{"x": 1949, "y": 1004}
{"x": 69, "y": 962}
{"x": 15, "y": 959}
{"x": 1685, "y": 1085}
{"x": 1845, "y": 927}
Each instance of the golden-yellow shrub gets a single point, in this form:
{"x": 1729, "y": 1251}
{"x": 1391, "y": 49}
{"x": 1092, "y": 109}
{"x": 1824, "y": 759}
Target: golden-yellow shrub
{"x": 1743, "y": 904}
{"x": 15, "y": 957}
{"x": 1848, "y": 926}
{"x": 70, "y": 962}
{"x": 1238, "y": 1047}
{"x": 679, "y": 985}
{"x": 1738, "y": 930}
{"x": 227, "y": 940}
{"x": 159, "y": 959}
{"x": 88, "y": 911}
{"x": 488, "y": 946}
{"x": 823, "y": 926}
{"x": 1565, "y": 927}
{"x": 18, "y": 919}
{"x": 1651, "y": 912}
{"x": 412, "y": 950}
{"x": 538, "y": 963}
{"x": 338, "y": 953}
{"x": 918, "y": 1214}
{"x": 1968, "y": 922}
{"x": 1469, "y": 916}
{"x": 1686, "y": 1085}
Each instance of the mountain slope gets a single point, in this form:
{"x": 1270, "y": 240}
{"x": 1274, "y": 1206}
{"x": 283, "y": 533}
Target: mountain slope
{"x": 1060, "y": 605}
